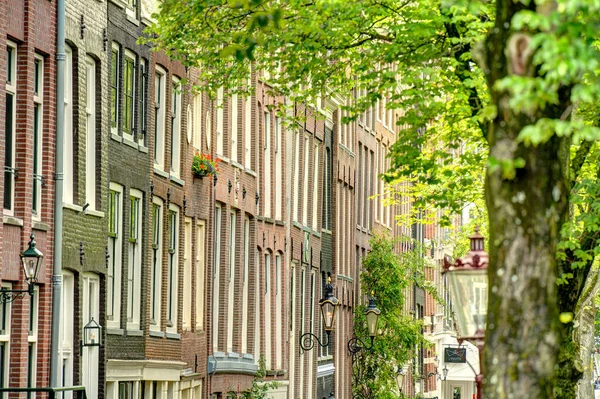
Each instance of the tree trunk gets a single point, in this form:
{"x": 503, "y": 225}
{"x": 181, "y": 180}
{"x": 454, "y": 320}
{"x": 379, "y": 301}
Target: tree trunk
{"x": 526, "y": 212}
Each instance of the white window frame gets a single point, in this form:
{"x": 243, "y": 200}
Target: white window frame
{"x": 116, "y": 78}
{"x": 306, "y": 173}
{"x": 267, "y": 326}
{"x": 216, "y": 277}
{"x": 278, "y": 312}
{"x": 68, "y": 154}
{"x": 90, "y": 354}
{"x": 197, "y": 121}
{"x": 278, "y": 170}
{"x": 90, "y": 128}
{"x": 173, "y": 269}
{"x": 160, "y": 104}
{"x": 5, "y": 330}
{"x": 316, "y": 187}
{"x": 156, "y": 265}
{"x": 176, "y": 111}
{"x": 38, "y": 136}
{"x": 189, "y": 118}
{"x": 246, "y": 266}
{"x": 267, "y": 163}
{"x": 234, "y": 127}
{"x": 115, "y": 268}
{"x": 296, "y": 174}
{"x": 142, "y": 130}
{"x": 186, "y": 319}
{"x": 134, "y": 269}
{"x": 248, "y": 132}
{"x": 220, "y": 120}
{"x": 231, "y": 282}
{"x": 9, "y": 160}
{"x": 128, "y": 131}
{"x": 67, "y": 330}
{"x": 200, "y": 273}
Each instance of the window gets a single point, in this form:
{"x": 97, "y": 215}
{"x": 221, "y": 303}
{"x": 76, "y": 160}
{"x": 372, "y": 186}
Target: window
{"x": 197, "y": 121}
{"x": 316, "y": 187}
{"x": 5, "y": 329}
{"x": 187, "y": 273}
{"x": 91, "y": 309}
{"x": 216, "y": 277}
{"x": 134, "y": 270}
{"x": 141, "y": 133}
{"x": 159, "y": 126}
{"x": 220, "y": 121}
{"x": 32, "y": 340}
{"x": 231, "y": 288}
{"x": 246, "y": 265}
{"x": 267, "y": 163}
{"x": 200, "y": 270}
{"x": 248, "y": 132}
{"x": 173, "y": 269}
{"x": 66, "y": 334}
{"x": 278, "y": 170}
{"x": 257, "y": 312}
{"x": 268, "y": 343}
{"x": 132, "y": 8}
{"x": 176, "y": 128}
{"x": 126, "y": 390}
{"x": 38, "y": 137}
{"x": 11, "y": 132}
{"x": 278, "y": 313}
{"x": 156, "y": 271}
{"x": 129, "y": 82}
{"x": 114, "y": 88}
{"x": 90, "y": 134}
{"x": 327, "y": 222}
{"x": 115, "y": 244}
{"x": 306, "y": 170}
{"x": 234, "y": 127}
{"x": 296, "y": 173}
{"x": 68, "y": 182}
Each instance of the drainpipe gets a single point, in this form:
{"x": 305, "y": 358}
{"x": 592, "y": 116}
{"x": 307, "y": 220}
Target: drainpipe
{"x": 58, "y": 192}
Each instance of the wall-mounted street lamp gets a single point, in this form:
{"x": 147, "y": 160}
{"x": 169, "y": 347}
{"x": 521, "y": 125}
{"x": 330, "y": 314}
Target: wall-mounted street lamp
{"x": 400, "y": 377}
{"x": 372, "y": 313}
{"x": 328, "y": 305}
{"x": 468, "y": 284}
{"x": 92, "y": 334}
{"x": 31, "y": 260}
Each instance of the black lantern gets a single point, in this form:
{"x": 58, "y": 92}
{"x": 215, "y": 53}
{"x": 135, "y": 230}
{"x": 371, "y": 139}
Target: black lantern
{"x": 92, "y": 334}
{"x": 400, "y": 375}
{"x": 372, "y": 313}
{"x": 31, "y": 261}
{"x": 328, "y": 305}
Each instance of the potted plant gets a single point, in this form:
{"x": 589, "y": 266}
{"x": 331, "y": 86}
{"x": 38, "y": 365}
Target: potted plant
{"x": 204, "y": 165}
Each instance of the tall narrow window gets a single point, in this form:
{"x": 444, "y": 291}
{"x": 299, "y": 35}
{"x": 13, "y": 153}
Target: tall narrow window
{"x": 160, "y": 110}
{"x": 90, "y": 354}
{"x": 186, "y": 319}
{"x": 90, "y": 134}
{"x": 156, "y": 267}
{"x": 248, "y": 132}
{"x": 134, "y": 271}
{"x": 268, "y": 343}
{"x": 173, "y": 269}
{"x": 197, "y": 121}
{"x": 316, "y": 188}
{"x": 327, "y": 188}
{"x": 129, "y": 82}
{"x": 176, "y": 128}
{"x": 220, "y": 126}
{"x": 278, "y": 313}
{"x": 246, "y": 265}
{"x": 296, "y": 174}
{"x": 114, "y": 88}
{"x": 5, "y": 330}
{"x": 113, "y": 276}
{"x": 200, "y": 270}
{"x": 231, "y": 287}
{"x": 11, "y": 106}
{"x": 234, "y": 127}
{"x": 216, "y": 278}
{"x": 141, "y": 133}
{"x": 66, "y": 334}
{"x": 68, "y": 153}
{"x": 267, "y": 163}
{"x": 38, "y": 101}
{"x": 278, "y": 171}
{"x": 306, "y": 173}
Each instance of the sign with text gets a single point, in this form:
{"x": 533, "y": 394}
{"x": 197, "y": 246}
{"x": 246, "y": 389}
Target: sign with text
{"x": 455, "y": 355}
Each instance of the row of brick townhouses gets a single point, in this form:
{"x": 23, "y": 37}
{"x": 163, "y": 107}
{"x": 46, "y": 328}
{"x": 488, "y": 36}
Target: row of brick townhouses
{"x": 192, "y": 279}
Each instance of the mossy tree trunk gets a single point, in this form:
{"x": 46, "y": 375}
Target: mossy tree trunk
{"x": 526, "y": 212}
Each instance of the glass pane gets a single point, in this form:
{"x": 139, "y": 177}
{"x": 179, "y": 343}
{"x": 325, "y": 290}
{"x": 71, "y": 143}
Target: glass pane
{"x": 8, "y": 153}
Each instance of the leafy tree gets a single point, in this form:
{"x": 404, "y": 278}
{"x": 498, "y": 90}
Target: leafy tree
{"x": 507, "y": 87}
{"x": 388, "y": 275}
{"x": 259, "y": 388}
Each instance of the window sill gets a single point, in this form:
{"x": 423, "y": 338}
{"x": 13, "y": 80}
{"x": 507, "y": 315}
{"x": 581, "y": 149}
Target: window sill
{"x": 72, "y": 207}
{"x": 40, "y": 226}
{"x": 134, "y": 332}
{"x": 130, "y": 142}
{"x": 177, "y": 180}
{"x": 98, "y": 214}
{"x": 157, "y": 334}
{"x": 13, "y": 221}
{"x": 116, "y": 137}
{"x": 161, "y": 172}
{"x": 132, "y": 18}
{"x": 298, "y": 225}
{"x": 237, "y": 164}
{"x": 143, "y": 149}
{"x": 114, "y": 331}
{"x": 173, "y": 335}
{"x": 118, "y": 3}
{"x": 223, "y": 158}
{"x": 251, "y": 172}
